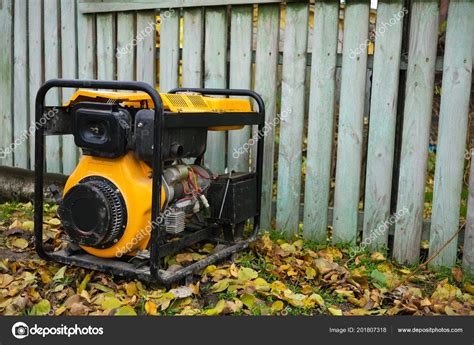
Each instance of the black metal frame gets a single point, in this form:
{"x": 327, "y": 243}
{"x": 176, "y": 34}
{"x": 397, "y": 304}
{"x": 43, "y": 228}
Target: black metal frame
{"x": 163, "y": 120}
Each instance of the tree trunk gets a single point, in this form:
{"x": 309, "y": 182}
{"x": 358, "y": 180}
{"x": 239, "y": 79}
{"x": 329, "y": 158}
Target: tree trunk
{"x": 19, "y": 184}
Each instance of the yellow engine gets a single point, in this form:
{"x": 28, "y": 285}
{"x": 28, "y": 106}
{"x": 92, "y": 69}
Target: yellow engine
{"x": 106, "y": 206}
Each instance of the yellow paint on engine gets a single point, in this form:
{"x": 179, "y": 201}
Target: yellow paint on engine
{"x": 178, "y": 103}
{"x": 133, "y": 179}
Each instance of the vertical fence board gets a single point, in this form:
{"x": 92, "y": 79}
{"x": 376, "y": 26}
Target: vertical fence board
{"x": 125, "y": 48}
{"x": 266, "y": 64}
{"x": 192, "y": 47}
{"x": 240, "y": 78}
{"x": 169, "y": 49}
{"x": 51, "y": 70}
{"x": 453, "y": 123}
{"x": 383, "y": 113}
{"x": 321, "y": 120}
{"x": 416, "y": 128}
{"x": 350, "y": 134}
{"x": 292, "y": 119}
{"x": 20, "y": 85}
{"x": 216, "y": 77}
{"x": 6, "y": 78}
{"x": 86, "y": 39}
{"x": 468, "y": 250}
{"x": 146, "y": 47}
{"x": 105, "y": 47}
{"x": 35, "y": 62}
{"x": 69, "y": 71}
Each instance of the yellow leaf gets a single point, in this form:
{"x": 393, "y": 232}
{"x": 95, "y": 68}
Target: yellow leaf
{"x": 404, "y": 271}
{"x": 298, "y": 244}
{"x": 314, "y": 299}
{"x": 345, "y": 293}
{"x": 233, "y": 271}
{"x": 360, "y": 312}
{"x": 248, "y": 300}
{"x": 184, "y": 258}
{"x": 131, "y": 289}
{"x": 209, "y": 269}
{"x": 150, "y": 308}
{"x": 261, "y": 284}
{"x": 28, "y": 225}
{"x": 246, "y": 273}
{"x": 446, "y": 292}
{"x": 219, "y": 307}
{"x": 220, "y": 285}
{"x": 207, "y": 248}
{"x": 469, "y": 288}
{"x": 84, "y": 282}
{"x": 277, "y": 306}
{"x": 288, "y": 248}
{"x": 449, "y": 311}
{"x": 377, "y": 256}
{"x": 126, "y": 311}
{"x": 111, "y": 303}
{"x": 60, "y": 310}
{"x": 20, "y": 243}
{"x": 54, "y": 222}
{"x": 310, "y": 272}
{"x": 335, "y": 311}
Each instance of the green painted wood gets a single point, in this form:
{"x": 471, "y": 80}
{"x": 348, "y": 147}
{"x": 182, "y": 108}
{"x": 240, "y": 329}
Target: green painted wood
{"x": 468, "y": 249}
{"x": 215, "y": 52}
{"x": 292, "y": 118}
{"x": 321, "y": 121}
{"x": 146, "y": 47}
{"x": 35, "y": 62}
{"x": 169, "y": 49}
{"x": 453, "y": 123}
{"x": 86, "y": 40}
{"x": 383, "y": 112}
{"x": 93, "y": 6}
{"x": 69, "y": 71}
{"x": 105, "y": 47}
{"x": 6, "y": 78}
{"x": 125, "y": 53}
{"x": 266, "y": 63}
{"x": 20, "y": 86}
{"x": 416, "y": 127}
{"x": 193, "y": 35}
{"x": 351, "y": 113}
{"x": 51, "y": 71}
{"x": 240, "y": 78}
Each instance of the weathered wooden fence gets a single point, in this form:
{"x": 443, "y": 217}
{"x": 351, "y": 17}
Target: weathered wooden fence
{"x": 291, "y": 54}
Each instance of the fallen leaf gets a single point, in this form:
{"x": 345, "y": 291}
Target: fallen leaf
{"x": 20, "y": 243}
{"x": 150, "y": 308}
{"x": 335, "y": 311}
{"x": 182, "y": 292}
{"x": 111, "y": 303}
{"x": 246, "y": 273}
{"x": 277, "y": 306}
{"x": 219, "y": 307}
{"x": 41, "y": 308}
{"x": 125, "y": 311}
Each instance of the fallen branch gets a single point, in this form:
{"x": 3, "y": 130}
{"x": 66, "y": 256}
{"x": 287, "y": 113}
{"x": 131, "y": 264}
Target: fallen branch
{"x": 431, "y": 258}
{"x": 19, "y": 184}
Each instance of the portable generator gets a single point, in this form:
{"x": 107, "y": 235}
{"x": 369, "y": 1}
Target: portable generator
{"x": 141, "y": 190}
